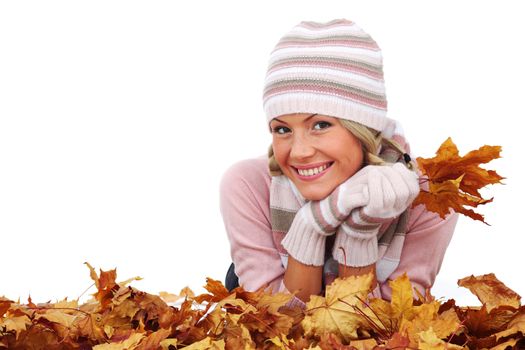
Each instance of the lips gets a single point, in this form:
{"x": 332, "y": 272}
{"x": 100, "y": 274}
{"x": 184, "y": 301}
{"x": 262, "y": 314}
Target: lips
{"x": 312, "y": 171}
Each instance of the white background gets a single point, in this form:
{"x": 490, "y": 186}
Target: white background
{"x": 118, "y": 119}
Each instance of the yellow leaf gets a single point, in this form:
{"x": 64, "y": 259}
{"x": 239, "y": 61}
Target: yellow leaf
{"x": 184, "y": 293}
{"x": 273, "y": 302}
{"x": 364, "y": 344}
{"x": 165, "y": 344}
{"x": 207, "y": 344}
{"x": 336, "y": 313}
{"x": 231, "y": 300}
{"x": 129, "y": 344}
{"x": 109, "y": 331}
{"x": 73, "y": 304}
{"x": 129, "y": 280}
{"x": 281, "y": 341}
{"x": 58, "y": 316}
{"x": 16, "y": 324}
{"x": 429, "y": 341}
{"x": 402, "y": 295}
{"x": 423, "y": 317}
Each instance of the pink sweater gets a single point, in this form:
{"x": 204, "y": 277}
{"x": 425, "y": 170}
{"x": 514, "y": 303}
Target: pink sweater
{"x": 245, "y": 208}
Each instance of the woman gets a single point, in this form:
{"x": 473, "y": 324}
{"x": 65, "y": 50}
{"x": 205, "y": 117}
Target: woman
{"x": 334, "y": 198}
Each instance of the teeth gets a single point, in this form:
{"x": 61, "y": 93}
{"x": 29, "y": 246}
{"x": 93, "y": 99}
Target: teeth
{"x": 312, "y": 171}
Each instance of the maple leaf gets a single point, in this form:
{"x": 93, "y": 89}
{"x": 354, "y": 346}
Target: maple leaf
{"x": 454, "y": 181}
{"x": 336, "y": 313}
{"x": 490, "y": 291}
{"x": 105, "y": 284}
{"x": 15, "y": 324}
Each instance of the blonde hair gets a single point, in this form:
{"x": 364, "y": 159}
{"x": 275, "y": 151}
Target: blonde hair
{"x": 372, "y": 142}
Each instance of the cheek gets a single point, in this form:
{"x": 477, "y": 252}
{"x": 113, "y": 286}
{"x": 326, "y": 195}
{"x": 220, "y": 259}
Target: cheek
{"x": 279, "y": 152}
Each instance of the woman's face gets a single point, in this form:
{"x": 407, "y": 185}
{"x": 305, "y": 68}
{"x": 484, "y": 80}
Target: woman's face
{"x": 315, "y": 151}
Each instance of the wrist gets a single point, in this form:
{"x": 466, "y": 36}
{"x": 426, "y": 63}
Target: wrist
{"x": 355, "y": 248}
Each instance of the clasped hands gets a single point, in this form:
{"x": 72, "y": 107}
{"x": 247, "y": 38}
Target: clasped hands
{"x": 354, "y": 212}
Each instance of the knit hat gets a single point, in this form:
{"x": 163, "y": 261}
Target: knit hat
{"x": 333, "y": 68}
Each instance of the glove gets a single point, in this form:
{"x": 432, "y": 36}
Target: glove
{"x": 305, "y": 240}
{"x": 391, "y": 190}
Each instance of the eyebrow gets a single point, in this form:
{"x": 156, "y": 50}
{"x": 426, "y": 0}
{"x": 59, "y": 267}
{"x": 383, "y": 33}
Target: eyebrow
{"x": 304, "y": 120}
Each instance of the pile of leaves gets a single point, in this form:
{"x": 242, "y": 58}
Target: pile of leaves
{"x": 121, "y": 317}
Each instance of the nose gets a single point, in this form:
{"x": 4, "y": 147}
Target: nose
{"x": 302, "y": 147}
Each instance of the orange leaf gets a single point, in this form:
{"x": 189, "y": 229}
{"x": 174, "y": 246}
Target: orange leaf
{"x": 454, "y": 181}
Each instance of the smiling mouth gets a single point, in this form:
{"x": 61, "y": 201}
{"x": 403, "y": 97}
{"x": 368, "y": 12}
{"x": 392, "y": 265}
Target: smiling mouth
{"x": 313, "y": 171}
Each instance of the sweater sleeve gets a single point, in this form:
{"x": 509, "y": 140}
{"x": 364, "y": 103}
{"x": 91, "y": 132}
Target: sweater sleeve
{"x": 245, "y": 209}
{"x": 426, "y": 241}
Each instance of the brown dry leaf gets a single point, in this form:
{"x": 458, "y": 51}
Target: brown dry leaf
{"x": 5, "y": 304}
{"x": 517, "y": 324}
{"x": 335, "y": 313}
{"x": 397, "y": 341}
{"x": 105, "y": 284}
{"x": 216, "y": 289}
{"x": 490, "y": 291}
{"x": 455, "y": 181}
{"x": 482, "y": 324}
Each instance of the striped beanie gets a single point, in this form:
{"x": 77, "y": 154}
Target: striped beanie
{"x": 333, "y": 68}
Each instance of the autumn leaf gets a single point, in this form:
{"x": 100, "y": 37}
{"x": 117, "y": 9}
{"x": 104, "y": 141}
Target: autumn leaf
{"x": 105, "y": 284}
{"x": 15, "y": 324}
{"x": 490, "y": 291}
{"x": 428, "y": 340}
{"x": 454, "y": 181}
{"x": 335, "y": 313}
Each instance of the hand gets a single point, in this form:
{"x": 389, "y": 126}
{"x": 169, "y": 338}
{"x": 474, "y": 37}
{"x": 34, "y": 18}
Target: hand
{"x": 391, "y": 190}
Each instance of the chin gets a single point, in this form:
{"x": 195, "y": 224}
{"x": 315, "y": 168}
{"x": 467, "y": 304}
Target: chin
{"x": 315, "y": 195}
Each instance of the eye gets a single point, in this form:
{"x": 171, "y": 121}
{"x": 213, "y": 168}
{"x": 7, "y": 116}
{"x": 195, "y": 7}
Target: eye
{"x": 280, "y": 130}
{"x": 321, "y": 125}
